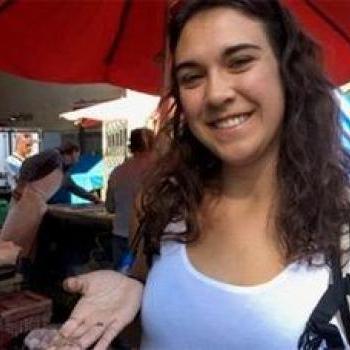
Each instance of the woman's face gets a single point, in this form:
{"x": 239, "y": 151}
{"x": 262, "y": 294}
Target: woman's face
{"x": 230, "y": 86}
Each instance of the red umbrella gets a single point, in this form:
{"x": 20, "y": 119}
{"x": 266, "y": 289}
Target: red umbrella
{"x": 328, "y": 22}
{"x": 116, "y": 41}
{"x": 122, "y": 41}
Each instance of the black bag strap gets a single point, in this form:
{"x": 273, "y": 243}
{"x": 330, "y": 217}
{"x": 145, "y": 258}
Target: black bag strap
{"x": 342, "y": 285}
{"x": 318, "y": 327}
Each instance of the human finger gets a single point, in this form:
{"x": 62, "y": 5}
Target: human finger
{"x": 111, "y": 332}
{"x": 62, "y": 343}
{"x": 70, "y": 346}
{"x": 80, "y": 330}
{"x": 73, "y": 284}
{"x": 87, "y": 327}
{"x": 70, "y": 326}
{"x": 93, "y": 334}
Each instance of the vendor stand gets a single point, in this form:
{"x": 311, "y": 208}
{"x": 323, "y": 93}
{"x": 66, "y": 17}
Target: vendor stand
{"x": 72, "y": 239}
{"x": 119, "y": 117}
{"x": 83, "y": 214}
{"x": 70, "y": 235}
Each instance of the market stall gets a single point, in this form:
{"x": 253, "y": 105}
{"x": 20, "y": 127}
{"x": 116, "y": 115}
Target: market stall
{"x": 118, "y": 118}
{"x": 73, "y": 239}
{"x": 95, "y": 215}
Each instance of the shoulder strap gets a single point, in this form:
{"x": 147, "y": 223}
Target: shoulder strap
{"x": 342, "y": 285}
{"x": 318, "y": 327}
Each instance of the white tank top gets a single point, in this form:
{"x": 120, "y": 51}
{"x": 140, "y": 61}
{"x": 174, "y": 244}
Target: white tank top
{"x": 185, "y": 310}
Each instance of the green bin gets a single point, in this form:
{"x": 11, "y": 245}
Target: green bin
{"x": 4, "y": 208}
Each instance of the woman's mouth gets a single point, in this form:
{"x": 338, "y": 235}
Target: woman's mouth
{"x": 230, "y": 122}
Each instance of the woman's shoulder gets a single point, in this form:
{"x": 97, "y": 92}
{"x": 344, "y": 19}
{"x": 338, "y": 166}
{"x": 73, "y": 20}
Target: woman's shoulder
{"x": 170, "y": 246}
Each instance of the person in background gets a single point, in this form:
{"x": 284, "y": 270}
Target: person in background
{"x": 63, "y": 157}
{"x": 68, "y": 185}
{"x": 40, "y": 178}
{"x": 123, "y": 184}
{"x": 23, "y": 148}
{"x": 250, "y": 204}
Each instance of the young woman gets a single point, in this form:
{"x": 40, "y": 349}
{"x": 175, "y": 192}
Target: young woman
{"x": 249, "y": 202}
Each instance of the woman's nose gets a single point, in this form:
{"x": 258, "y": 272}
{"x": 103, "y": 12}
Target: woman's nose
{"x": 220, "y": 88}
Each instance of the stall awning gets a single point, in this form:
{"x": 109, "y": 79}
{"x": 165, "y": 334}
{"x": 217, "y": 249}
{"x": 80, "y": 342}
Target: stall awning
{"x": 136, "y": 107}
{"x": 122, "y": 42}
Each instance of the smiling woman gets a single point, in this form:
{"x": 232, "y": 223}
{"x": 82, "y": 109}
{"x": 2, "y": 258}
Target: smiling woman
{"x": 244, "y": 211}
{"x": 223, "y": 87}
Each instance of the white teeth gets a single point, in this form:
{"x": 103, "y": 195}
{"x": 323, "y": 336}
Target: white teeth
{"x": 231, "y": 122}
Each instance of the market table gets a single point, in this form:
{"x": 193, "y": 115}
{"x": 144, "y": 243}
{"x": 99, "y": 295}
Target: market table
{"x": 72, "y": 239}
{"x": 85, "y": 214}
{"x": 71, "y": 236}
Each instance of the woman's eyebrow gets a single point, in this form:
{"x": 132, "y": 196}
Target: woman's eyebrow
{"x": 236, "y": 48}
{"x": 228, "y": 51}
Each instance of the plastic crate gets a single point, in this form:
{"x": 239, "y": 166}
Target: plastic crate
{"x": 23, "y": 311}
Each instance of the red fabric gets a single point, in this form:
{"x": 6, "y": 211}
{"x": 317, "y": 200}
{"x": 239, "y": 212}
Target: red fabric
{"x": 69, "y": 40}
{"x": 58, "y": 40}
{"x": 313, "y": 15}
{"x": 90, "y": 123}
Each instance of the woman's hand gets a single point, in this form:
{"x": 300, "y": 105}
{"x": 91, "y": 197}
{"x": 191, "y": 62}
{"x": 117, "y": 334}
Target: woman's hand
{"x": 109, "y": 302}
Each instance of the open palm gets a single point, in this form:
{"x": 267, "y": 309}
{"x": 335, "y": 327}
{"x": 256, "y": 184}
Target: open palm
{"x": 109, "y": 302}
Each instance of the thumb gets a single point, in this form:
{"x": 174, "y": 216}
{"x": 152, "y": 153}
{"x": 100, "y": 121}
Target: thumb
{"x": 74, "y": 284}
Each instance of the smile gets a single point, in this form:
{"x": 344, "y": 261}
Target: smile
{"x": 230, "y": 122}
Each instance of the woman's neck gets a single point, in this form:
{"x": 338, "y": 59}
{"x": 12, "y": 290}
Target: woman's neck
{"x": 255, "y": 181}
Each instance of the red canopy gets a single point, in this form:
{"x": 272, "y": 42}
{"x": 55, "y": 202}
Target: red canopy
{"x": 73, "y": 41}
{"x": 122, "y": 41}
{"x": 328, "y": 22}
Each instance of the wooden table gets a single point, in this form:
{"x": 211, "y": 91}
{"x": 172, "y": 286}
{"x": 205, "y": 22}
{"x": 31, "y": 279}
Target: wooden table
{"x": 71, "y": 240}
{"x": 71, "y": 234}
{"x": 84, "y": 214}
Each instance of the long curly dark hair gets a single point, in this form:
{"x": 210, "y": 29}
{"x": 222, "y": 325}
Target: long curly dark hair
{"x": 313, "y": 168}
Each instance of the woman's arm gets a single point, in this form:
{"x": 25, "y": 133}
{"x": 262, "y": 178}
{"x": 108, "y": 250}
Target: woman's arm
{"x": 109, "y": 302}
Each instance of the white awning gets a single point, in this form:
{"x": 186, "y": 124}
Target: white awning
{"x": 136, "y": 107}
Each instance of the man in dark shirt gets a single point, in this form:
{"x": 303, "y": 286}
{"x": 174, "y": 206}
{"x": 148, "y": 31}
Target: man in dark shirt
{"x": 40, "y": 177}
{"x": 40, "y": 165}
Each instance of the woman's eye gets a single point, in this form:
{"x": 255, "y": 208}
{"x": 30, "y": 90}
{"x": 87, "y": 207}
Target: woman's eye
{"x": 239, "y": 63}
{"x": 189, "y": 80}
